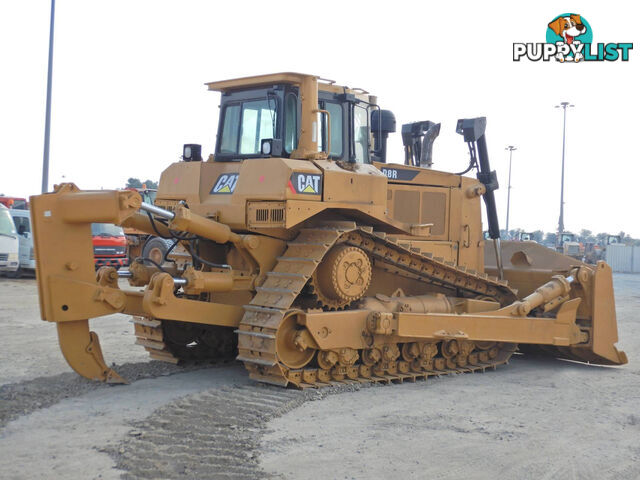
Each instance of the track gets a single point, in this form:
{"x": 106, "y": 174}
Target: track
{"x": 276, "y": 298}
{"x": 173, "y": 342}
{"x": 269, "y": 310}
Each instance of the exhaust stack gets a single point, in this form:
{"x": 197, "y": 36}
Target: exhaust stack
{"x": 418, "y": 138}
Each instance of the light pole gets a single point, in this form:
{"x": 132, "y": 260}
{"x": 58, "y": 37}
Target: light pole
{"x": 47, "y": 120}
{"x": 511, "y": 148}
{"x": 564, "y": 106}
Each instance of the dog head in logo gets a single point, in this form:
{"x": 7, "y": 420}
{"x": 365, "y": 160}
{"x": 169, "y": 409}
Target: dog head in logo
{"x": 568, "y": 31}
{"x": 568, "y": 27}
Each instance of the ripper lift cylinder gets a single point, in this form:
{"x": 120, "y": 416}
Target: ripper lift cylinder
{"x": 198, "y": 282}
{"x": 185, "y": 220}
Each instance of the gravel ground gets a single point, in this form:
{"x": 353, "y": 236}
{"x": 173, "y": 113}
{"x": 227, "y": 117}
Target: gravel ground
{"x": 35, "y": 343}
{"x": 535, "y": 418}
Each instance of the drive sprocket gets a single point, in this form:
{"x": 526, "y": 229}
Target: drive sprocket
{"x": 342, "y": 277}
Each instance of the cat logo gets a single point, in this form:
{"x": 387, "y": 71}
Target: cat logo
{"x": 226, "y": 183}
{"x": 305, "y": 183}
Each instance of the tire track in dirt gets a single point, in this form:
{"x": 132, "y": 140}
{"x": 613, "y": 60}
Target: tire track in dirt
{"x": 214, "y": 434}
{"x": 17, "y": 399}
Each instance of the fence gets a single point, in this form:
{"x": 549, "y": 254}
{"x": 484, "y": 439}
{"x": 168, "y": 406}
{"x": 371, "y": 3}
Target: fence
{"x": 623, "y": 258}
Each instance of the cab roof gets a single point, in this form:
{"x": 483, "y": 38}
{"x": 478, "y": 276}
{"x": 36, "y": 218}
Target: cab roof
{"x": 291, "y": 78}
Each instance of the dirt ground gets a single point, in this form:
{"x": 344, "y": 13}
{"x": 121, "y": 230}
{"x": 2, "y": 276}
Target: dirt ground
{"x": 534, "y": 418}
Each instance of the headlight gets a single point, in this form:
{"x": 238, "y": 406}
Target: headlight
{"x": 271, "y": 147}
{"x": 13, "y": 257}
{"x": 192, "y": 152}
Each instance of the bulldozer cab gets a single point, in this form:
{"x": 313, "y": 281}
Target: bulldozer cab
{"x": 565, "y": 237}
{"x": 261, "y": 121}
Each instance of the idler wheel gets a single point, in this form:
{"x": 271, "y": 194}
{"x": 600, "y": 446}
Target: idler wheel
{"x": 287, "y": 350}
{"x": 342, "y": 277}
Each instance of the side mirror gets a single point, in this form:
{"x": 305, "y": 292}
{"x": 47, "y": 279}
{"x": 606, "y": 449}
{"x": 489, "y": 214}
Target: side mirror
{"x": 21, "y": 230}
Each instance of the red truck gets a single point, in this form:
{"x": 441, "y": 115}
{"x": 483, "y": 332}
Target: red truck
{"x": 14, "y": 202}
{"x": 109, "y": 246}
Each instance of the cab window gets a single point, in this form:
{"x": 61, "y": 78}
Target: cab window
{"x": 229, "y": 142}
{"x": 106, "y": 230}
{"x": 258, "y": 123}
{"x": 335, "y": 112}
{"x": 245, "y": 125}
{"x": 22, "y": 224}
{"x": 361, "y": 134}
{"x": 290, "y": 123}
{"x": 7, "y": 226}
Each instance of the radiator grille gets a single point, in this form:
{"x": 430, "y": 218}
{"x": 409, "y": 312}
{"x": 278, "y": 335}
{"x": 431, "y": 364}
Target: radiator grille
{"x": 266, "y": 214}
{"x": 262, "y": 215}
{"x": 277, "y": 214}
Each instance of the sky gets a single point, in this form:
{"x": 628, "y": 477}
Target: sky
{"x": 128, "y": 89}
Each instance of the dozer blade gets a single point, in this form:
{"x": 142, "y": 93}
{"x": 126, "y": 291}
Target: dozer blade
{"x": 81, "y": 350}
{"x": 601, "y": 348}
{"x": 605, "y": 327}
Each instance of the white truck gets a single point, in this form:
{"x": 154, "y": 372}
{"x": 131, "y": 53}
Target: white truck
{"x": 22, "y": 221}
{"x": 9, "y": 244}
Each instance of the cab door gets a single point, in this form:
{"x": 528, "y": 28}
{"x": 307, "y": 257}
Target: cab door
{"x": 23, "y": 227}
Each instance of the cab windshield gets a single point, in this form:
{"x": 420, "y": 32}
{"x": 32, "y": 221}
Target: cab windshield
{"x": 246, "y": 124}
{"x": 6, "y": 223}
{"x": 106, "y": 230}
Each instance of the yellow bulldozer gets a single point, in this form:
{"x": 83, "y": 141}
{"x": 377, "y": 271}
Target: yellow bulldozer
{"x": 297, "y": 249}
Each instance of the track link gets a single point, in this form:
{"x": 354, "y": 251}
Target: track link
{"x": 198, "y": 342}
{"x": 266, "y": 312}
{"x": 149, "y": 334}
